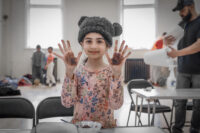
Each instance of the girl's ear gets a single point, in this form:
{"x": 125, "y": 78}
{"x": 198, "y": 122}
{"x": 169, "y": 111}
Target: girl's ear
{"x": 81, "y": 43}
{"x": 107, "y": 49}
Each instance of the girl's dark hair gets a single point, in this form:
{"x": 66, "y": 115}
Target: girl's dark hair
{"x": 50, "y": 48}
{"x": 164, "y": 33}
{"x": 85, "y": 60}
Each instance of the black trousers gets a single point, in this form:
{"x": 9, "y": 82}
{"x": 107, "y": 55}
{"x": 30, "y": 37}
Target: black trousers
{"x": 37, "y": 73}
{"x": 187, "y": 81}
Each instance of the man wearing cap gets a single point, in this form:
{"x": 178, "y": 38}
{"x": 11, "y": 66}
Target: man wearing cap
{"x": 188, "y": 65}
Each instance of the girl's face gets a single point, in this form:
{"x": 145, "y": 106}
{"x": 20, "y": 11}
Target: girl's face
{"x": 94, "y": 45}
{"x": 50, "y": 50}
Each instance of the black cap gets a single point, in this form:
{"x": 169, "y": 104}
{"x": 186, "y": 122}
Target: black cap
{"x": 182, "y": 3}
{"x": 38, "y": 46}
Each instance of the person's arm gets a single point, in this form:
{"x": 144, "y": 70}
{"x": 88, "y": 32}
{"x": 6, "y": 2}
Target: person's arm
{"x": 69, "y": 89}
{"x": 192, "y": 49}
{"x": 69, "y": 92}
{"x": 33, "y": 58}
{"x": 116, "y": 98}
{"x": 169, "y": 40}
{"x": 116, "y": 62}
{"x": 43, "y": 61}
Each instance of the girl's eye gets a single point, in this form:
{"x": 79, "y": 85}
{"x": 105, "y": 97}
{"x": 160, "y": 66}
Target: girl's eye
{"x": 89, "y": 41}
{"x": 99, "y": 42}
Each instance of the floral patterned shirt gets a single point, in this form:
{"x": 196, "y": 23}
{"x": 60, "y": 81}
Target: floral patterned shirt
{"x": 94, "y": 95}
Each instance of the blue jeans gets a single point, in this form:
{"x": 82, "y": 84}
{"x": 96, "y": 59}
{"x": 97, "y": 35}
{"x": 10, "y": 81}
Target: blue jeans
{"x": 187, "y": 81}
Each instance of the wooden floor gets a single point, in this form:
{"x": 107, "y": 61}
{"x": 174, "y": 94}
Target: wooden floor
{"x": 37, "y": 93}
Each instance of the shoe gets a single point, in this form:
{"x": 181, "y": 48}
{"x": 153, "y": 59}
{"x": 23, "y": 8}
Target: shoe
{"x": 54, "y": 84}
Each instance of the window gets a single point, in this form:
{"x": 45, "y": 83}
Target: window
{"x": 45, "y": 23}
{"x": 139, "y": 23}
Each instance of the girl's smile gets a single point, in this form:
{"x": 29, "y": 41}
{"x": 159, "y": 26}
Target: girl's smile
{"x": 93, "y": 52}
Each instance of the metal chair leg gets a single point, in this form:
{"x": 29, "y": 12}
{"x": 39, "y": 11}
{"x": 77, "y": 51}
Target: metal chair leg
{"x": 139, "y": 120}
{"x": 172, "y": 112}
{"x": 139, "y": 115}
{"x": 169, "y": 127}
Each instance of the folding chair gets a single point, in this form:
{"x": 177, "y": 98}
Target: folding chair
{"x": 52, "y": 107}
{"x": 142, "y": 84}
{"x": 17, "y": 107}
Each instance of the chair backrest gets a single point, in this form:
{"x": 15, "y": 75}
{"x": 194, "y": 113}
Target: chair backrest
{"x": 137, "y": 84}
{"x": 52, "y": 107}
{"x": 17, "y": 107}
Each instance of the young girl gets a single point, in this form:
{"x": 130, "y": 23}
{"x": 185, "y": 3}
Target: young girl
{"x": 49, "y": 67}
{"x": 94, "y": 88}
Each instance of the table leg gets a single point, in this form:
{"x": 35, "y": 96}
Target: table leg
{"x": 154, "y": 112}
{"x": 148, "y": 112}
{"x": 136, "y": 110}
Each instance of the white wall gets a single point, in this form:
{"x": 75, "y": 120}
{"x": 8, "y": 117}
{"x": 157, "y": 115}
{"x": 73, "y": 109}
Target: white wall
{"x": 18, "y": 59}
{"x": 14, "y": 38}
{"x": 165, "y": 17}
{"x": 197, "y": 3}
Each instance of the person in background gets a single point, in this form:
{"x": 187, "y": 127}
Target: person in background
{"x": 188, "y": 65}
{"x": 94, "y": 88}
{"x": 38, "y": 63}
{"x": 158, "y": 74}
{"x": 49, "y": 67}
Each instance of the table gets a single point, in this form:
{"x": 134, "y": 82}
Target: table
{"x": 55, "y": 127}
{"x": 59, "y": 127}
{"x": 163, "y": 93}
{"x": 15, "y": 131}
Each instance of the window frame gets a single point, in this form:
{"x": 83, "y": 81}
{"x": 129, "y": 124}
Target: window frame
{"x": 124, "y": 7}
{"x": 28, "y": 8}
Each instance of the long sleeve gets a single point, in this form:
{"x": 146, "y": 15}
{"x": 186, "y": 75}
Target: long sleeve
{"x": 33, "y": 59}
{"x": 69, "y": 92}
{"x": 116, "y": 93}
{"x": 94, "y": 94}
{"x": 43, "y": 61}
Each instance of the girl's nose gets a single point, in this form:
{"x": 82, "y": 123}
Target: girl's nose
{"x": 94, "y": 45}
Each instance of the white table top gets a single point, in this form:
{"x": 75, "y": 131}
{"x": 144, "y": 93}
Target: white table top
{"x": 14, "y": 131}
{"x": 59, "y": 127}
{"x": 163, "y": 93}
{"x": 132, "y": 130}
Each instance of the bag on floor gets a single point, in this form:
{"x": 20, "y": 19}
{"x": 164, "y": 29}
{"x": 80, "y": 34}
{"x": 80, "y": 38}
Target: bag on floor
{"x": 8, "y": 90}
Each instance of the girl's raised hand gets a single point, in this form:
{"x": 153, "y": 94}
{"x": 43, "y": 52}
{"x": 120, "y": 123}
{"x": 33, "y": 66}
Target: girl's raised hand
{"x": 118, "y": 59}
{"x": 68, "y": 57}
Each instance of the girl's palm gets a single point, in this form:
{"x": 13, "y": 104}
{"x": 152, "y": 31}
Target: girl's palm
{"x": 119, "y": 58}
{"x": 68, "y": 56}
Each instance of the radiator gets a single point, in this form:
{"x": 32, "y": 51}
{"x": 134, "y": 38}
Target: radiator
{"x": 136, "y": 69}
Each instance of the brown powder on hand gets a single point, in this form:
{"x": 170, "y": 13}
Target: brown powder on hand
{"x": 117, "y": 58}
{"x": 73, "y": 61}
{"x": 70, "y": 59}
